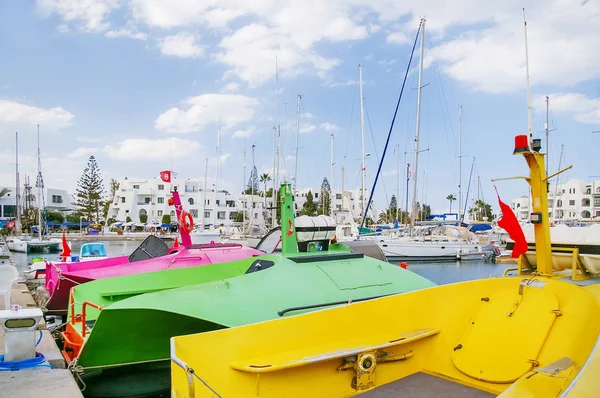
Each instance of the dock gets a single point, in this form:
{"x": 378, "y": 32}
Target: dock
{"x": 42, "y": 381}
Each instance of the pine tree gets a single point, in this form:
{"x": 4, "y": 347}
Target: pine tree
{"x": 90, "y": 191}
{"x": 325, "y": 197}
{"x": 309, "y": 208}
{"x": 252, "y": 183}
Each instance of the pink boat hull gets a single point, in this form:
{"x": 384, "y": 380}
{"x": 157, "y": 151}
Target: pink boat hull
{"x": 61, "y": 277}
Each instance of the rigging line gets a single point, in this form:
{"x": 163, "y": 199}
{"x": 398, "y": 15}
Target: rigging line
{"x": 356, "y": 88}
{"x": 387, "y": 199}
{"x": 366, "y": 211}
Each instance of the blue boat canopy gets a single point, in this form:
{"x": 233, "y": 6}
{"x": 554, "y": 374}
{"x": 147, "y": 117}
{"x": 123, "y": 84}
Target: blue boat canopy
{"x": 67, "y": 224}
{"x": 479, "y": 227}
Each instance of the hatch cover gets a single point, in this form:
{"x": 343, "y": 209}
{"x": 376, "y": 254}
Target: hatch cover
{"x": 499, "y": 347}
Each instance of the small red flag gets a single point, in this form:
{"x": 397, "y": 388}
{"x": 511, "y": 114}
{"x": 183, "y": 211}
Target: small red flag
{"x": 165, "y": 175}
{"x": 10, "y": 225}
{"x": 176, "y": 244}
{"x": 511, "y": 225}
{"x": 66, "y": 249}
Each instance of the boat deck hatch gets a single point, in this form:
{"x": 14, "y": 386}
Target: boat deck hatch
{"x": 260, "y": 265}
{"x": 421, "y": 385}
{"x": 490, "y": 350}
{"x": 315, "y": 258}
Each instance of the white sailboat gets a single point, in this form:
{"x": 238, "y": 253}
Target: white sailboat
{"x": 449, "y": 242}
{"x": 41, "y": 244}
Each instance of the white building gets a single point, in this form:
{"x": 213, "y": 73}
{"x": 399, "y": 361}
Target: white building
{"x": 575, "y": 200}
{"x": 138, "y": 197}
{"x": 54, "y": 199}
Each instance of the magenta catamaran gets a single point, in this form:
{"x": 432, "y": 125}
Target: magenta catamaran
{"x": 152, "y": 255}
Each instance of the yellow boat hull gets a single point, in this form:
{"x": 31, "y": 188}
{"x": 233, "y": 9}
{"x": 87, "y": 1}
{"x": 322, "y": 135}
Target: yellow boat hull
{"x": 514, "y": 337}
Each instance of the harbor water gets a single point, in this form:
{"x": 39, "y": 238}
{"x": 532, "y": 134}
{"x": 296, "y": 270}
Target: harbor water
{"x": 440, "y": 273}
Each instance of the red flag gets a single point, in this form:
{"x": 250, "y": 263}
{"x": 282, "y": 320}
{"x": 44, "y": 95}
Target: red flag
{"x": 10, "y": 225}
{"x": 176, "y": 244}
{"x": 165, "y": 175}
{"x": 66, "y": 249}
{"x": 511, "y": 225}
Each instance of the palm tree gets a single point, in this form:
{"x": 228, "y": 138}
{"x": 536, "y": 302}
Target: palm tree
{"x": 4, "y": 191}
{"x": 264, "y": 178}
{"x": 450, "y": 198}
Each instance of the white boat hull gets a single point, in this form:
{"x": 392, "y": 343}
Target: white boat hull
{"x": 427, "y": 250}
{"x": 15, "y": 245}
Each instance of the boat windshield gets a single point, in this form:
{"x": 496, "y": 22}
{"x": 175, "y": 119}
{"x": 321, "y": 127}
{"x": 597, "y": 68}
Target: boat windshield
{"x": 93, "y": 250}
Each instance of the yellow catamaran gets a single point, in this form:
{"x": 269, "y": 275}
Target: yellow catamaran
{"x": 533, "y": 334}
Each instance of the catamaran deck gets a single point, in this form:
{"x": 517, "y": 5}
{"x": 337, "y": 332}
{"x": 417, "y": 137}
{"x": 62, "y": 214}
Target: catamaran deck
{"x": 422, "y": 385}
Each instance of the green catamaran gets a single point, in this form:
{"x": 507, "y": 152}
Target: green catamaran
{"x": 129, "y": 320}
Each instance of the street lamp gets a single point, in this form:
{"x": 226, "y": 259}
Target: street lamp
{"x": 81, "y": 218}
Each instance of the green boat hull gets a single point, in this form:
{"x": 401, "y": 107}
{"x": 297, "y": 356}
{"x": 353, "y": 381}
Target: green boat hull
{"x": 138, "y": 329}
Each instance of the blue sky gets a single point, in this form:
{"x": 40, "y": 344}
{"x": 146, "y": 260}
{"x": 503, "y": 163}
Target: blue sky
{"x": 125, "y": 80}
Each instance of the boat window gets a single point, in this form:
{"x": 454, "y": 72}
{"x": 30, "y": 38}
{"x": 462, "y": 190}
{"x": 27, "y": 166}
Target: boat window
{"x": 260, "y": 265}
{"x": 271, "y": 241}
{"x": 93, "y": 250}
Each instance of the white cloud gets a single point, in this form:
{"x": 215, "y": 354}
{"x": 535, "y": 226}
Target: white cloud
{"x": 181, "y": 45}
{"x": 126, "y": 33}
{"x": 244, "y": 133}
{"x": 477, "y": 43}
{"x": 326, "y": 126}
{"x": 91, "y": 14}
{"x": 231, "y": 87}
{"x": 560, "y": 52}
{"x": 229, "y": 110}
{"x": 145, "y": 148}
{"x": 17, "y": 114}
{"x": 224, "y": 157}
{"x": 250, "y": 54}
{"x": 582, "y": 108}
{"x": 63, "y": 29}
{"x": 307, "y": 128}
{"x": 82, "y": 152}
{"x": 345, "y": 83}
{"x": 397, "y": 38}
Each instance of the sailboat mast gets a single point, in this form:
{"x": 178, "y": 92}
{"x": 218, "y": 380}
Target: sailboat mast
{"x": 331, "y": 207}
{"x": 217, "y": 174}
{"x": 18, "y": 208}
{"x": 278, "y": 152}
{"x": 39, "y": 184}
{"x": 243, "y": 208}
{"x": 418, "y": 126}
{"x": 397, "y": 179}
{"x": 529, "y": 127}
{"x": 362, "y": 139}
{"x": 459, "y": 161}
{"x": 297, "y": 136}
{"x": 204, "y": 193}
{"x": 547, "y": 126}
{"x": 343, "y": 190}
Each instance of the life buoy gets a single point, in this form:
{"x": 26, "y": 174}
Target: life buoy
{"x": 187, "y": 222}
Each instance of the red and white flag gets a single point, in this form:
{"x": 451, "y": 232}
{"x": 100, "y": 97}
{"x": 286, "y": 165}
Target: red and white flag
{"x": 165, "y": 175}
{"x": 511, "y": 225}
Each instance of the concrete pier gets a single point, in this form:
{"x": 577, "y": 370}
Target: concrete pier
{"x": 36, "y": 382}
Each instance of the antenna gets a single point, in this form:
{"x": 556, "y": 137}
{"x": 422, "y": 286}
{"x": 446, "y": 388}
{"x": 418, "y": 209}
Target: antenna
{"x": 529, "y": 128}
